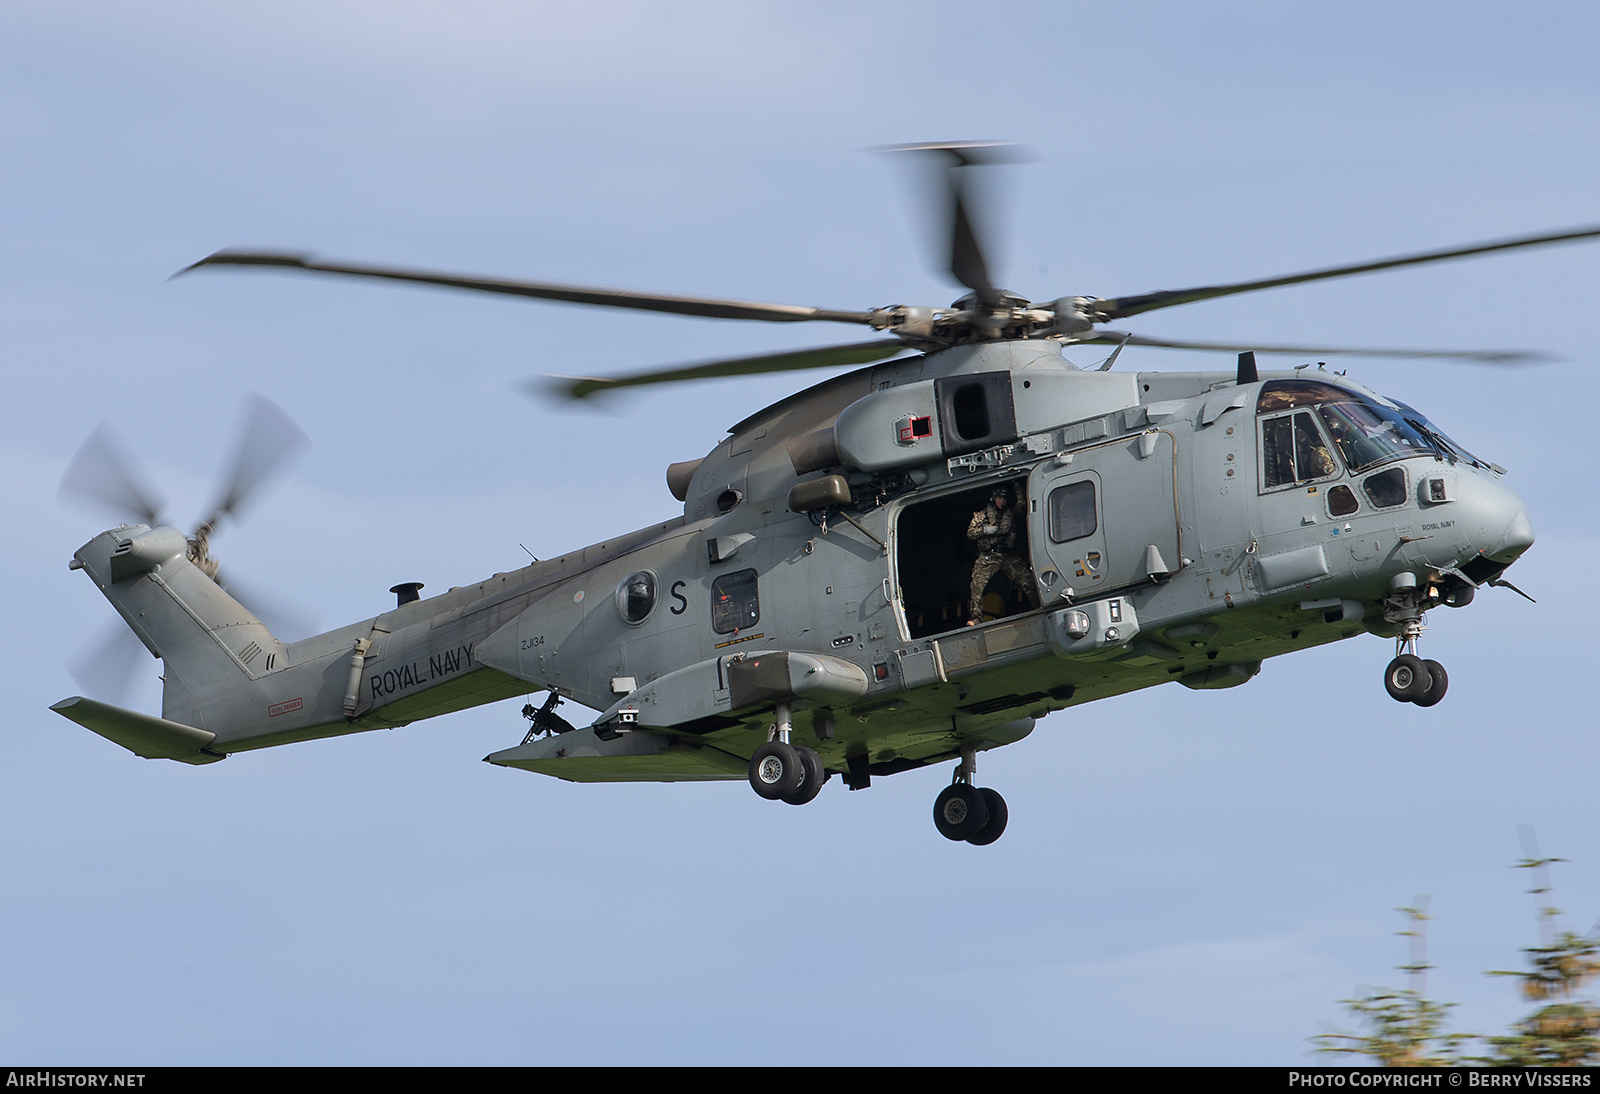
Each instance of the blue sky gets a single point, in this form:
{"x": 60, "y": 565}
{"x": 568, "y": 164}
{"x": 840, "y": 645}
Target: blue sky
{"x": 1187, "y": 878}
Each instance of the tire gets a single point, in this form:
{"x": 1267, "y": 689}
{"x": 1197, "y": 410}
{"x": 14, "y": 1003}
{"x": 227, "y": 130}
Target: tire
{"x": 815, "y": 776}
{"x": 995, "y": 827}
{"x": 1406, "y": 679}
{"x": 959, "y": 812}
{"x": 1439, "y": 684}
{"x": 776, "y": 770}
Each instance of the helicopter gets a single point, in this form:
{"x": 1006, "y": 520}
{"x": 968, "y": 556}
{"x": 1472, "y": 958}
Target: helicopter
{"x": 903, "y": 565}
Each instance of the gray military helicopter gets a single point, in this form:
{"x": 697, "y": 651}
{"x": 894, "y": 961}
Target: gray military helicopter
{"x": 903, "y": 565}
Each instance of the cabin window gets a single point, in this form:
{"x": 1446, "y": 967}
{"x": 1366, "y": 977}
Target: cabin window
{"x": 735, "y": 603}
{"x": 1072, "y": 512}
{"x": 1386, "y": 488}
{"x": 1342, "y": 501}
{"x": 1293, "y": 451}
{"x": 636, "y": 597}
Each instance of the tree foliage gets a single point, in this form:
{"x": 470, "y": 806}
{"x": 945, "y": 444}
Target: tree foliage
{"x": 1407, "y": 1029}
{"x": 1403, "y": 1028}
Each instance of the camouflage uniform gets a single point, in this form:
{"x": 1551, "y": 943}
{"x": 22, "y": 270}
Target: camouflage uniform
{"x": 994, "y": 556}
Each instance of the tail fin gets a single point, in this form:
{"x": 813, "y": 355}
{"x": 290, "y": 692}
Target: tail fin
{"x": 212, "y": 646}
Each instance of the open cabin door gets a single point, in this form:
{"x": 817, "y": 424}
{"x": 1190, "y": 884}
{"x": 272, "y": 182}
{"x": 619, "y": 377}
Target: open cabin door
{"x": 1107, "y": 519}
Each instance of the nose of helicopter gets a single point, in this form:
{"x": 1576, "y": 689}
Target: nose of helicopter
{"x": 1518, "y": 537}
{"x": 1496, "y": 520}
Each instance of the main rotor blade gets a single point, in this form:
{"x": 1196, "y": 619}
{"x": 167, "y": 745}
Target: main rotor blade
{"x": 858, "y": 353}
{"x": 707, "y": 307}
{"x": 268, "y": 439}
{"x": 967, "y": 262}
{"x": 102, "y": 471}
{"x": 1122, "y": 307}
{"x": 1485, "y": 356}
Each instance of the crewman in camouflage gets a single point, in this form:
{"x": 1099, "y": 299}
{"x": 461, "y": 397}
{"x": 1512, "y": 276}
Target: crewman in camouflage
{"x": 992, "y": 528}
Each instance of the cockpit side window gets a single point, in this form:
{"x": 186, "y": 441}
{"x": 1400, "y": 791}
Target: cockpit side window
{"x": 1293, "y": 450}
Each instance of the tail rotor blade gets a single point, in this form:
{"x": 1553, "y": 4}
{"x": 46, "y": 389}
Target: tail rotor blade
{"x": 105, "y": 670}
{"x": 102, "y": 471}
{"x": 269, "y": 438}
{"x": 287, "y": 622}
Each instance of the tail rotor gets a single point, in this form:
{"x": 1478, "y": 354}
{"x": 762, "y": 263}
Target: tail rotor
{"x": 104, "y": 473}
{"x": 266, "y": 441}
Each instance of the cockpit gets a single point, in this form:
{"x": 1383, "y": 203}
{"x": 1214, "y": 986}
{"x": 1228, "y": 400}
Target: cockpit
{"x": 1298, "y": 418}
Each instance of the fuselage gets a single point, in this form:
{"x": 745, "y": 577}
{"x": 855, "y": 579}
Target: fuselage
{"x": 1176, "y": 527}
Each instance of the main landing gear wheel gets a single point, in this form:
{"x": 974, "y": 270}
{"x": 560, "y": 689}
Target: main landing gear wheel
{"x": 963, "y": 812}
{"x": 776, "y": 770}
{"x": 1406, "y": 679}
{"x": 814, "y": 776}
{"x": 960, "y": 812}
{"x": 996, "y": 824}
{"x": 1439, "y": 682}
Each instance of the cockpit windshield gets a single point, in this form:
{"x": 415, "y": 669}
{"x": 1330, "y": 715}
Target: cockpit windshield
{"x": 1368, "y": 434}
{"x": 1432, "y": 432}
{"x": 1365, "y": 431}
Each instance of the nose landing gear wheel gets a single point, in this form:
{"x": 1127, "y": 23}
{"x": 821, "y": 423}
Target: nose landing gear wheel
{"x": 1439, "y": 681}
{"x": 960, "y": 812}
{"x": 1406, "y": 679}
{"x": 776, "y": 770}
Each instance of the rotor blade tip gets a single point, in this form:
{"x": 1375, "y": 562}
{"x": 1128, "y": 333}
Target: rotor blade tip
{"x": 568, "y": 388}
{"x": 967, "y": 153}
{"x": 231, "y": 257}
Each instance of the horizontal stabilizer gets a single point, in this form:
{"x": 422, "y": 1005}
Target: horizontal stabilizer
{"x": 143, "y": 734}
{"x": 632, "y": 757}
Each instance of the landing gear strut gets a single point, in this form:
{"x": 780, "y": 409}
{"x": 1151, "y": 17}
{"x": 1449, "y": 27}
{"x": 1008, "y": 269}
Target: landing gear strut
{"x": 1409, "y": 678}
{"x": 780, "y": 771}
{"x": 963, "y": 812}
